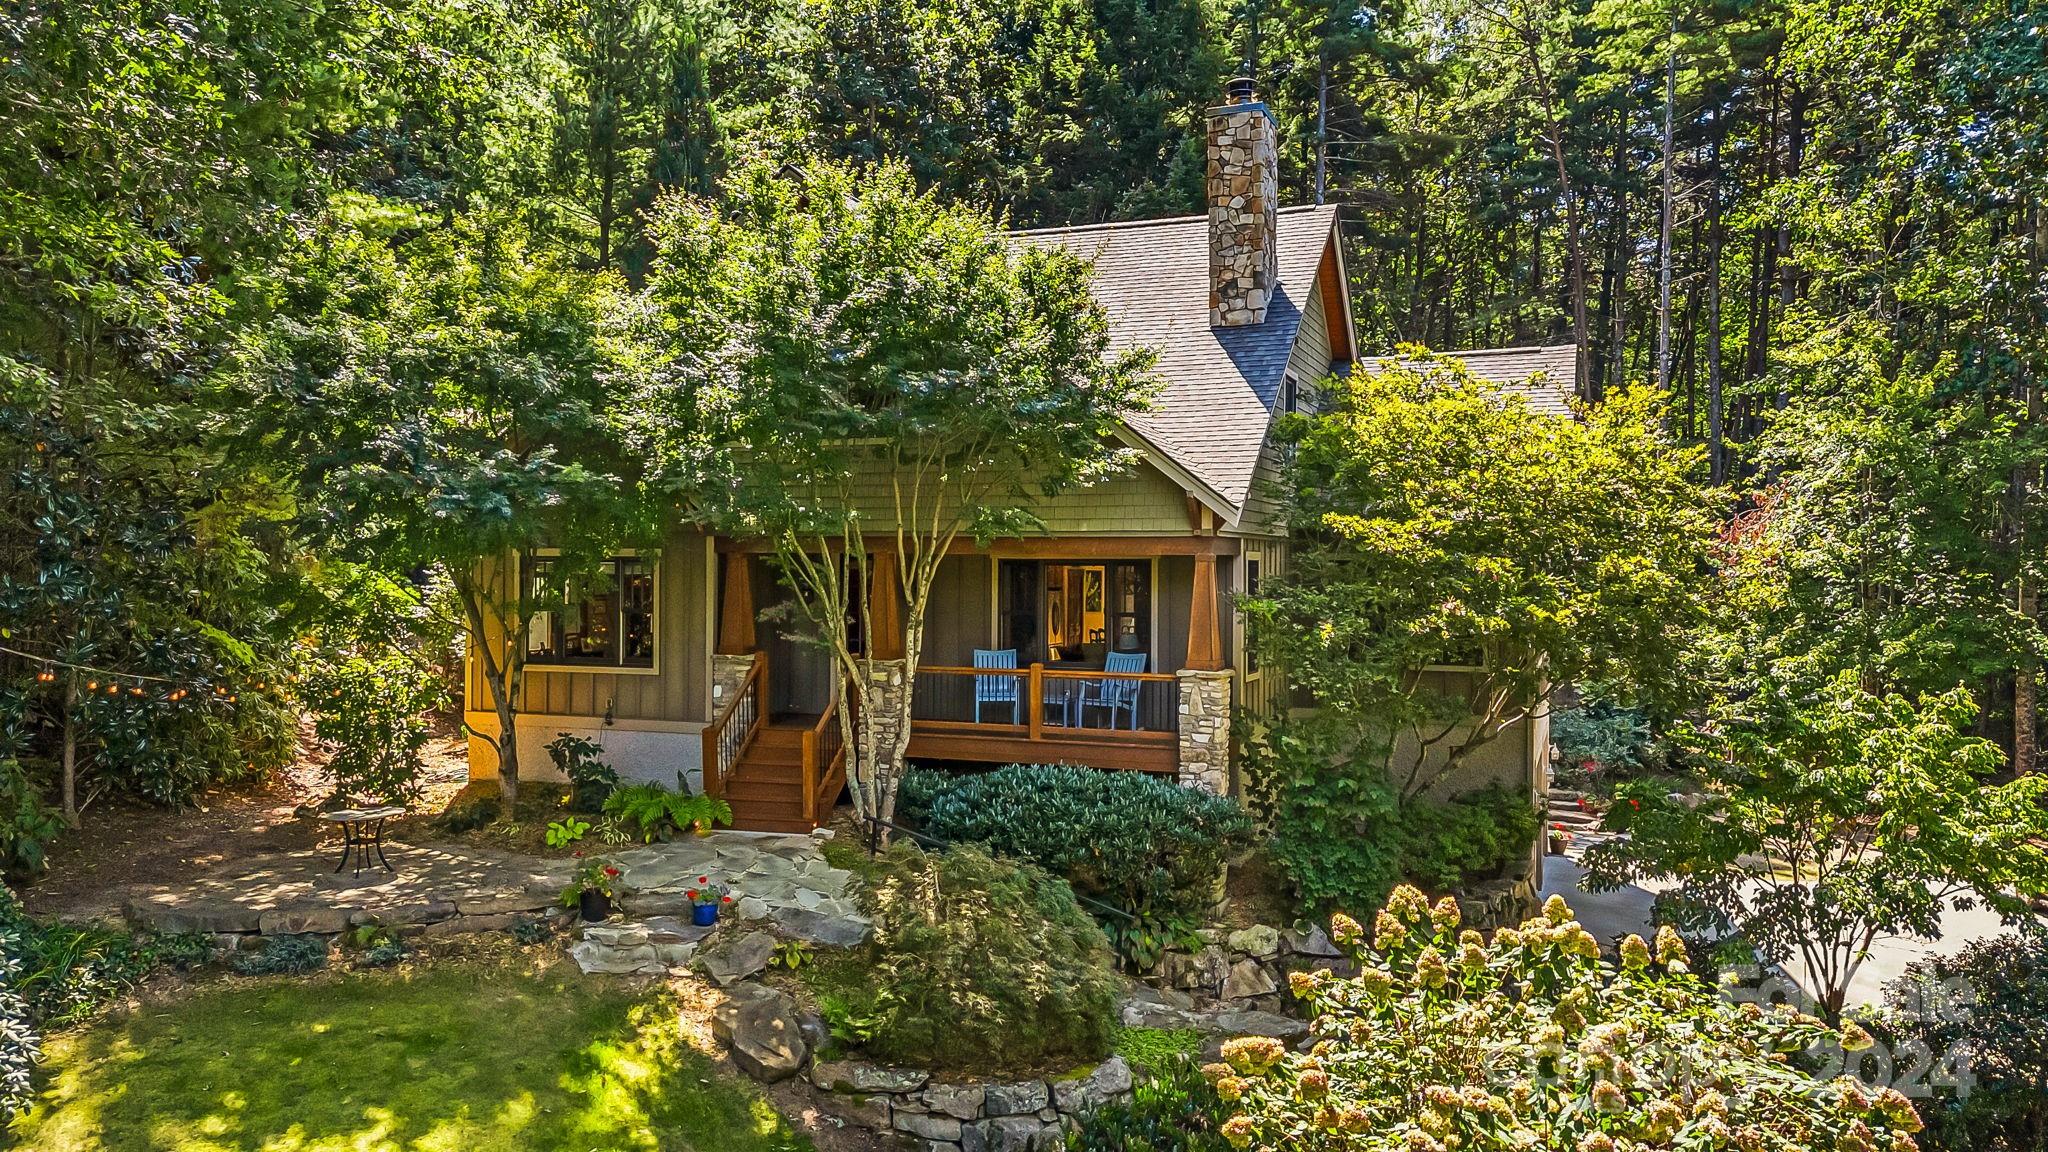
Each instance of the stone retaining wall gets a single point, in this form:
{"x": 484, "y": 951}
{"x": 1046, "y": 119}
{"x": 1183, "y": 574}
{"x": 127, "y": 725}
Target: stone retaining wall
{"x": 987, "y": 1116}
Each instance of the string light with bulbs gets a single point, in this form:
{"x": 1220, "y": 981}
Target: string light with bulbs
{"x": 111, "y": 682}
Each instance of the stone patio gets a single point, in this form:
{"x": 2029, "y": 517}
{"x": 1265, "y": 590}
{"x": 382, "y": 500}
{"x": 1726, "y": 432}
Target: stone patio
{"x": 442, "y": 889}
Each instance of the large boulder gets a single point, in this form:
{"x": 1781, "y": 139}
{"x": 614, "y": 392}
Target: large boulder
{"x": 761, "y": 1027}
{"x": 738, "y": 960}
{"x": 1110, "y": 1080}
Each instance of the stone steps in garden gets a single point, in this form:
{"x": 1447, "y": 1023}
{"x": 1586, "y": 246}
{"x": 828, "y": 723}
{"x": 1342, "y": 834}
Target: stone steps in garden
{"x": 655, "y": 946}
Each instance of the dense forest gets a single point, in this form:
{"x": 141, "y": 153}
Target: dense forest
{"x": 1819, "y": 225}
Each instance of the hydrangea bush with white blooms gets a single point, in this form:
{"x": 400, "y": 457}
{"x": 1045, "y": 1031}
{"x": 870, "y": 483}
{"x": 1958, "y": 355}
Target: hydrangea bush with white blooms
{"x": 1447, "y": 1042}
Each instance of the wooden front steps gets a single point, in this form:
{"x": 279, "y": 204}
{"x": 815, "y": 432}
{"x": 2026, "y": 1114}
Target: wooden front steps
{"x": 766, "y": 788}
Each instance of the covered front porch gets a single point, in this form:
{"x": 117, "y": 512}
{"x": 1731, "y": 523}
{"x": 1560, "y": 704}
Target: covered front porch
{"x": 1107, "y": 652}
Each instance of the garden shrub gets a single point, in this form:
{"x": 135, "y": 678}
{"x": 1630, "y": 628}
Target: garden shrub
{"x": 661, "y": 814}
{"x": 370, "y": 706}
{"x": 20, "y": 1041}
{"x": 1155, "y": 1048}
{"x": 1532, "y": 1041}
{"x": 1174, "y": 1109}
{"x": 984, "y": 962}
{"x": 1469, "y": 839}
{"x": 582, "y": 761}
{"x": 1131, "y": 840}
{"x": 1343, "y": 839}
{"x": 1997, "y": 1026}
{"x": 283, "y": 956}
{"x": 66, "y": 972}
{"x": 27, "y": 825}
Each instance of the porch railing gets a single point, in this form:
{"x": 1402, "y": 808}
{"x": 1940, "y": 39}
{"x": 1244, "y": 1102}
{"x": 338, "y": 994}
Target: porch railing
{"x": 1041, "y": 703}
{"x": 824, "y": 762}
{"x": 733, "y": 729}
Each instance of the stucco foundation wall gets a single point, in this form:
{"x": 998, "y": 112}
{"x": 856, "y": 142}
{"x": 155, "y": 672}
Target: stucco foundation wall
{"x": 636, "y": 751}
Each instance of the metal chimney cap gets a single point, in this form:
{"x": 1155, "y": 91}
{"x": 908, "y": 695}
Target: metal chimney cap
{"x": 1240, "y": 90}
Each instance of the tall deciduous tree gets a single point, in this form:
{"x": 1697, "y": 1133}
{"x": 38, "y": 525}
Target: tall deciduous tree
{"x": 444, "y": 403}
{"x": 857, "y": 368}
{"x": 1828, "y": 818}
{"x": 1444, "y": 524}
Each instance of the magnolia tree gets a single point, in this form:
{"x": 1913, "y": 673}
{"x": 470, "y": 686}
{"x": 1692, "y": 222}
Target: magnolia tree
{"x": 443, "y": 405}
{"x": 1826, "y": 818}
{"x": 1444, "y": 522}
{"x": 1530, "y": 1041}
{"x": 853, "y": 371}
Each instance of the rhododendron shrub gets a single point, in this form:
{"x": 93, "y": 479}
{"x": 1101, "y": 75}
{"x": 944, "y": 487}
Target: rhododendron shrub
{"x": 1444, "y": 1040}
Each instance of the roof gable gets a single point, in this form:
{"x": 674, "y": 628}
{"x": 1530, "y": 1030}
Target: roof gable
{"x": 1219, "y": 385}
{"x": 1547, "y": 377}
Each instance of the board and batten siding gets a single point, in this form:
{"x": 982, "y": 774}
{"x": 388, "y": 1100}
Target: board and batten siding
{"x": 676, "y": 690}
{"x": 1139, "y": 501}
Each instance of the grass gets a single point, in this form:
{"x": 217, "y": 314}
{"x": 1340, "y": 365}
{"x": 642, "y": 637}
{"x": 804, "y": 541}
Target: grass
{"x": 466, "y": 1058}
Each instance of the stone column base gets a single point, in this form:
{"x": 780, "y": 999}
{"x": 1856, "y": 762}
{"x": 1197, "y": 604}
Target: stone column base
{"x": 887, "y": 713}
{"x": 1205, "y": 730}
{"x": 728, "y": 672}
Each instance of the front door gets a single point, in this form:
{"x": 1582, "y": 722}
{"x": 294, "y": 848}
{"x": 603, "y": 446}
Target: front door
{"x": 800, "y": 675}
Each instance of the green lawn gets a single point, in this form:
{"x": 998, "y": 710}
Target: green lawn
{"x": 454, "y": 1058}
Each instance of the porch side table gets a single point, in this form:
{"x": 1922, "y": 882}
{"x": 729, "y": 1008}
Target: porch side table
{"x": 362, "y": 832}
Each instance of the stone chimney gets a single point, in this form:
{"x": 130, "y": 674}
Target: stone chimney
{"x": 1244, "y": 201}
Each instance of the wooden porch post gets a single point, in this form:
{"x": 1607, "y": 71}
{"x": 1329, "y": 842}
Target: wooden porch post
{"x": 1205, "y": 637}
{"x": 736, "y": 617}
{"x": 885, "y": 608}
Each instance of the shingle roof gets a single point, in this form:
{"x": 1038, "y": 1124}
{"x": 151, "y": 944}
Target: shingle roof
{"x": 1547, "y": 377}
{"x": 1219, "y": 384}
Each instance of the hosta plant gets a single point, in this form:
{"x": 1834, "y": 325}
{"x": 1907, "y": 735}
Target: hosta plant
{"x": 1444, "y": 1040}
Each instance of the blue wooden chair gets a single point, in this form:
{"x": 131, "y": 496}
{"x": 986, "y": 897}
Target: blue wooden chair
{"x": 1115, "y": 695}
{"x": 996, "y": 690}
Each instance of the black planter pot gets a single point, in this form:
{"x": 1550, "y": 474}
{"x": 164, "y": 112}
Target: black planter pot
{"x": 595, "y": 905}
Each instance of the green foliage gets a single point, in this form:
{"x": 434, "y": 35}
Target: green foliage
{"x": 1615, "y": 740}
{"x": 1979, "y": 1011}
{"x": 975, "y": 374}
{"x": 1475, "y": 837}
{"x": 791, "y": 955}
{"x": 21, "y": 1044}
{"x": 1443, "y": 522}
{"x": 661, "y": 813}
{"x": 532, "y": 930}
{"x": 1334, "y": 818}
{"x": 283, "y": 956}
{"x": 467, "y": 814}
{"x": 582, "y": 761}
{"x": 183, "y": 951}
{"x": 68, "y": 972}
{"x": 1826, "y": 818}
{"x": 1342, "y": 837}
{"x": 562, "y": 833}
{"x": 369, "y": 707}
{"x": 1156, "y": 1050}
{"x": 1134, "y": 841}
{"x": 1172, "y": 1109}
{"x": 986, "y": 964}
{"x": 1526, "y": 1040}
{"x": 26, "y": 825}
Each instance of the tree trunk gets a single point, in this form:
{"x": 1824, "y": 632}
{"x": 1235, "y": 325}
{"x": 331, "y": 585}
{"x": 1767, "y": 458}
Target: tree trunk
{"x": 1717, "y": 452}
{"x": 1664, "y": 216}
{"x": 71, "y": 747}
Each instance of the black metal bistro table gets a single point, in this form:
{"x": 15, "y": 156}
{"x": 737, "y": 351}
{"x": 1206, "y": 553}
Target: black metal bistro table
{"x": 362, "y": 832}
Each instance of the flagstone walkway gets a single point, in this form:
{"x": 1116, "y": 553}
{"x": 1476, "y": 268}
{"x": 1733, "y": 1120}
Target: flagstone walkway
{"x": 448, "y": 888}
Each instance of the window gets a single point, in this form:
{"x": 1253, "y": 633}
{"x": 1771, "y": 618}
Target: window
{"x": 1290, "y": 394}
{"x": 1075, "y": 613}
{"x": 606, "y": 622}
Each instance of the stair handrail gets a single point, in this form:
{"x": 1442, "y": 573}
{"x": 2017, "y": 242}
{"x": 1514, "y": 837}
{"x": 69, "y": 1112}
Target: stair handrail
{"x": 812, "y": 736}
{"x": 723, "y": 746}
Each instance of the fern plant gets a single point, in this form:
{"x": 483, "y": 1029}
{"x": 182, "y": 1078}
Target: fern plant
{"x": 660, "y": 813}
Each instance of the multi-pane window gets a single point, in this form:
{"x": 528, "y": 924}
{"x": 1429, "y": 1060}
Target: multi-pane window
{"x": 606, "y": 621}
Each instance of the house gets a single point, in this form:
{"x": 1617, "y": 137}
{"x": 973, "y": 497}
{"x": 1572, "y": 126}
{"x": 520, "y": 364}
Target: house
{"x": 1247, "y": 310}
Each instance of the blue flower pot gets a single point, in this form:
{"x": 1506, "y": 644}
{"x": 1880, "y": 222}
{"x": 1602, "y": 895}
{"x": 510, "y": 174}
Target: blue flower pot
{"x": 704, "y": 915}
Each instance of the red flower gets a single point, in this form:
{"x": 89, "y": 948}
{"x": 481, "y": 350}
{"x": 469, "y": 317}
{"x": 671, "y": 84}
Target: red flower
{"x": 579, "y": 853}
{"x": 610, "y": 871}
{"x": 728, "y": 899}
{"x": 690, "y": 894}
{"x": 1635, "y": 803}
{"x": 703, "y": 879}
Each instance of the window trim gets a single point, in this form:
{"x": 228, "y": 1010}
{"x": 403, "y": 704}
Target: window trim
{"x": 654, "y": 569}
